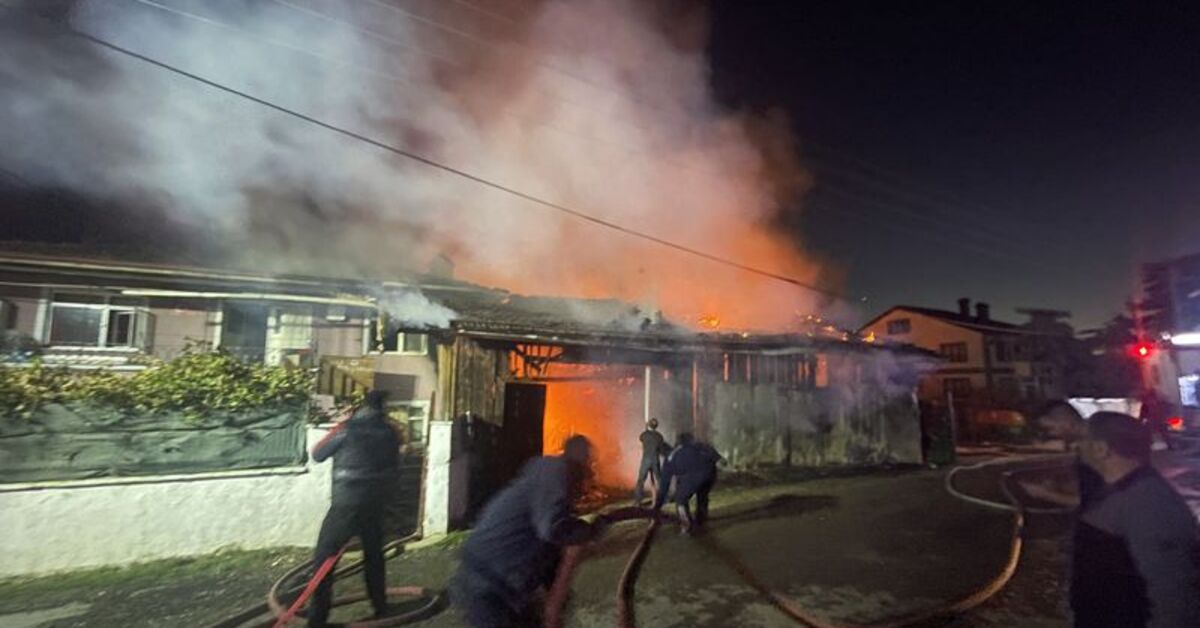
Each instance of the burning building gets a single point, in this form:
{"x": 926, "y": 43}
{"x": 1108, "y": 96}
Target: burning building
{"x": 484, "y": 379}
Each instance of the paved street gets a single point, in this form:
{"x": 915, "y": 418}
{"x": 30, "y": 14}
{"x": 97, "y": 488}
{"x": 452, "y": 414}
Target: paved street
{"x": 850, "y": 549}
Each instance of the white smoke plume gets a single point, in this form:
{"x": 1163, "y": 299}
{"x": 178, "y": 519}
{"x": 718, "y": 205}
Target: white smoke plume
{"x": 602, "y": 105}
{"x": 412, "y": 309}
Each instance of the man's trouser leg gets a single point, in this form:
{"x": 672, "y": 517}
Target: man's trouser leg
{"x": 336, "y": 531}
{"x": 644, "y": 470}
{"x": 374, "y": 571}
{"x": 702, "y": 500}
{"x": 484, "y": 604}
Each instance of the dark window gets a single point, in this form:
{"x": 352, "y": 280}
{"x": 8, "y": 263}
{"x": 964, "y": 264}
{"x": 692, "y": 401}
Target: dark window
{"x": 954, "y": 351}
{"x": 899, "y": 326}
{"x": 120, "y": 328}
{"x": 1004, "y": 352}
{"x": 93, "y": 320}
{"x": 77, "y": 326}
{"x": 960, "y": 387}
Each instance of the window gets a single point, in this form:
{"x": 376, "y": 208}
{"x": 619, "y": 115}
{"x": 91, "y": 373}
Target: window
{"x": 899, "y": 326}
{"x": 410, "y": 416}
{"x": 954, "y": 351}
{"x": 821, "y": 374}
{"x": 406, "y": 343}
{"x": 96, "y": 320}
{"x": 1003, "y": 351}
{"x": 959, "y": 387}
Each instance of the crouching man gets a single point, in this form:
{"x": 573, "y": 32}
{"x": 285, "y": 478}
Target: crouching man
{"x": 693, "y": 466}
{"x": 514, "y": 550}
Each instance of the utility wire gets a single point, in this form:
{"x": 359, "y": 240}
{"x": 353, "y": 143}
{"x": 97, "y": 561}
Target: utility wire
{"x": 440, "y": 166}
{"x": 890, "y": 206}
{"x": 540, "y": 122}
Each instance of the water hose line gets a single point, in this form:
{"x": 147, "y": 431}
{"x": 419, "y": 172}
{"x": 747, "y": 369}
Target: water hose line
{"x": 559, "y": 593}
{"x": 800, "y": 615}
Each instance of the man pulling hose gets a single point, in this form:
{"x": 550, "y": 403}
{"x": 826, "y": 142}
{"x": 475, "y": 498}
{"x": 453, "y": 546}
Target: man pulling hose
{"x": 366, "y": 454}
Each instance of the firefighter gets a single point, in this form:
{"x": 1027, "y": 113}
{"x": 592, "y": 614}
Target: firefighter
{"x": 693, "y": 466}
{"x": 653, "y": 448}
{"x": 366, "y": 454}
{"x": 514, "y": 550}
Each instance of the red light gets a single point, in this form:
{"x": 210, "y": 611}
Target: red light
{"x": 1142, "y": 350}
{"x": 1175, "y": 424}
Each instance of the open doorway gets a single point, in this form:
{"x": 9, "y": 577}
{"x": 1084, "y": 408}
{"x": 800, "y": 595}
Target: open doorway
{"x": 521, "y": 433}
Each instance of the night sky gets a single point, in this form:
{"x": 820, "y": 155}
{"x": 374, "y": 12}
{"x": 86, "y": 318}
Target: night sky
{"x": 1023, "y": 154}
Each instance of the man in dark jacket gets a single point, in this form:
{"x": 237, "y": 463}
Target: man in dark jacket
{"x": 693, "y": 466}
{"x": 653, "y": 448}
{"x": 1137, "y": 545}
{"x": 515, "y": 547}
{"x": 366, "y": 453}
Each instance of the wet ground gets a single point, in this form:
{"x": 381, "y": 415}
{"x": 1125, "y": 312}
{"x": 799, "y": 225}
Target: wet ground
{"x": 859, "y": 548}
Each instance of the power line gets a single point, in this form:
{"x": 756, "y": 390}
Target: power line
{"x": 411, "y": 82}
{"x": 975, "y": 233}
{"x": 446, "y": 168}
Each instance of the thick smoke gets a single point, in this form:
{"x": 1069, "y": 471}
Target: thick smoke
{"x": 601, "y": 105}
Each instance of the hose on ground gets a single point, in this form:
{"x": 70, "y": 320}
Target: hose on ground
{"x": 285, "y": 591}
{"x": 800, "y": 615}
{"x": 284, "y": 588}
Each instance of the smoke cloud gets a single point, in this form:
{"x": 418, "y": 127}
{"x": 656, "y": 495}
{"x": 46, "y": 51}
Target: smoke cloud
{"x": 601, "y": 105}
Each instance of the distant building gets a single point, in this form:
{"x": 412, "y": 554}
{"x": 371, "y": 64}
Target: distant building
{"x": 986, "y": 362}
{"x": 1170, "y": 311}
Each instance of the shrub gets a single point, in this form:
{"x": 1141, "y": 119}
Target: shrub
{"x": 196, "y": 383}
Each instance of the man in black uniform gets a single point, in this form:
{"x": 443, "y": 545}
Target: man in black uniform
{"x": 1136, "y": 560}
{"x": 694, "y": 468}
{"x": 653, "y": 448}
{"x": 515, "y": 547}
{"x": 366, "y": 453}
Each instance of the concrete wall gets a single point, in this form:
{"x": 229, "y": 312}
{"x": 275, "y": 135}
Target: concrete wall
{"x": 420, "y": 366}
{"x": 59, "y": 526}
{"x": 26, "y": 302}
{"x": 178, "y": 321}
{"x": 338, "y": 338}
{"x": 446, "y": 479}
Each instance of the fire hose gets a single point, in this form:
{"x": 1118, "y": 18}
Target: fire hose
{"x": 559, "y": 592}
{"x": 801, "y": 616}
{"x": 286, "y": 587}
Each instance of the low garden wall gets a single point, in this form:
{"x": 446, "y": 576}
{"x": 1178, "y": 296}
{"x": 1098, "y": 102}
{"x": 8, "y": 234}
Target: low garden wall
{"x": 54, "y": 526}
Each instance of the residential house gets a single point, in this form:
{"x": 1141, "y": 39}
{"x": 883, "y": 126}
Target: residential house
{"x": 984, "y": 361}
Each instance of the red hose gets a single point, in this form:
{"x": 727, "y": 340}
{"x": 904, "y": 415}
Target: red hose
{"x": 319, "y": 576}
